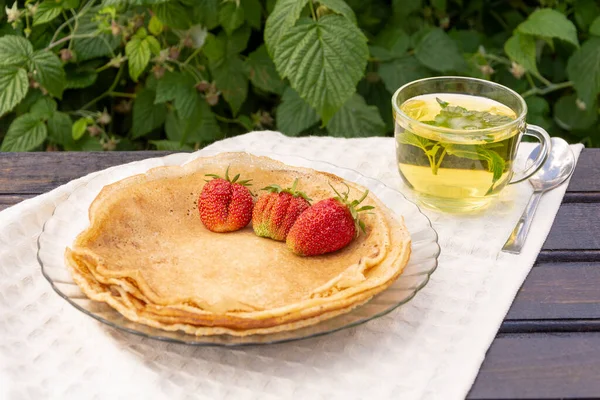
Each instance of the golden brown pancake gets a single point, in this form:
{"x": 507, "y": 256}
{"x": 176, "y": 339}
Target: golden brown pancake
{"x": 147, "y": 254}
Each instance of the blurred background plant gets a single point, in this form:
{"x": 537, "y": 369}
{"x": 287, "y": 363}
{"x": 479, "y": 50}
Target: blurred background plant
{"x": 180, "y": 74}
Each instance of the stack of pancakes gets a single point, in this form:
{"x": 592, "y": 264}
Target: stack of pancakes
{"x": 147, "y": 254}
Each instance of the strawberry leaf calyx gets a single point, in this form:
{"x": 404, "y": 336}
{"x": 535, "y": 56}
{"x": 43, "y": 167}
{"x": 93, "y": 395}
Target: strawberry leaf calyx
{"x": 291, "y": 190}
{"x": 352, "y": 206}
{"x": 245, "y": 182}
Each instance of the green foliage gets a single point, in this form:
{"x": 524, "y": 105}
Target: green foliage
{"x": 180, "y": 74}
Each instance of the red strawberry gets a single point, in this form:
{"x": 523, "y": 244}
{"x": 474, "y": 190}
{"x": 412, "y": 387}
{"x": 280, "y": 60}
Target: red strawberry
{"x": 327, "y": 226}
{"x": 225, "y": 205}
{"x": 275, "y": 212}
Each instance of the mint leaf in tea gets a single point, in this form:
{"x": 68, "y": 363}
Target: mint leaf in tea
{"x": 460, "y": 164}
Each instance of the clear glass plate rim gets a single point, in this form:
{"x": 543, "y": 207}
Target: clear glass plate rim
{"x": 193, "y": 156}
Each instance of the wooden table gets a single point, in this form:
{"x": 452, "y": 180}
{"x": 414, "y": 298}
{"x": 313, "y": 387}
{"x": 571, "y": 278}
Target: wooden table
{"x": 549, "y": 344}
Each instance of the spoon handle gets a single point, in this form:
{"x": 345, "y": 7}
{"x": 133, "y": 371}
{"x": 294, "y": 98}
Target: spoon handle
{"x": 516, "y": 240}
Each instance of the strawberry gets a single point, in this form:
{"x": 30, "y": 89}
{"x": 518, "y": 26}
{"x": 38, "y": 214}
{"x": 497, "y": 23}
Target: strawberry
{"x": 276, "y": 211}
{"x": 327, "y": 226}
{"x": 225, "y": 205}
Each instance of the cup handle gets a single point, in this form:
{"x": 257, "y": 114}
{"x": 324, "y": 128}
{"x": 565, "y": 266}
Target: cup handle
{"x": 545, "y": 147}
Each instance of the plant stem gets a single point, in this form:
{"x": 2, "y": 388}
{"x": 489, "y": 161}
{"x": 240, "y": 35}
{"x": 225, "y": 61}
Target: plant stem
{"x": 439, "y": 162}
{"x": 191, "y": 57}
{"x": 122, "y": 94}
{"x": 108, "y": 92}
{"x": 312, "y": 10}
{"x": 70, "y": 37}
{"x": 530, "y": 80}
{"x": 544, "y": 80}
{"x": 84, "y": 9}
{"x": 548, "y": 89}
{"x": 496, "y": 58}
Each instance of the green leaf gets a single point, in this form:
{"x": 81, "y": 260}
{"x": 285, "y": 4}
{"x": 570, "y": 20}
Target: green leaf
{"x": 495, "y": 163}
{"x": 222, "y": 46}
{"x": 570, "y": 117}
{"x": 206, "y": 12}
{"x": 340, "y": 7}
{"x": 284, "y": 16}
{"x": 15, "y": 50}
{"x": 411, "y": 139}
{"x": 439, "y": 52}
{"x": 324, "y": 60}
{"x": 25, "y": 133}
{"x": 231, "y": 79}
{"x": 170, "y": 145}
{"x": 155, "y": 26}
{"x": 133, "y": 2}
{"x": 48, "y": 71}
{"x": 173, "y": 14}
{"x": 356, "y": 119}
{"x": 521, "y": 49}
{"x": 60, "y": 130}
{"x": 13, "y": 87}
{"x": 24, "y": 105}
{"x": 376, "y": 94}
{"x": 79, "y": 128}
{"x": 138, "y": 55}
{"x": 102, "y": 45}
{"x": 46, "y": 12}
{"x": 147, "y": 116}
{"x": 262, "y": 71}
{"x": 595, "y": 27}
{"x": 231, "y": 17}
{"x": 468, "y": 41}
{"x": 583, "y": 70}
{"x": 549, "y": 23}
{"x": 401, "y": 71}
{"x": 538, "y": 110}
{"x": 44, "y": 107}
{"x": 394, "y": 39}
{"x": 252, "y": 12}
{"x": 153, "y": 45}
{"x": 70, "y": 4}
{"x": 201, "y": 128}
{"x": 79, "y": 78}
{"x": 406, "y": 7}
{"x": 178, "y": 87}
{"x": 585, "y": 13}
{"x": 294, "y": 115}
{"x": 439, "y": 4}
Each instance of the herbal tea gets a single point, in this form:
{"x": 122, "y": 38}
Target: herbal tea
{"x": 456, "y": 172}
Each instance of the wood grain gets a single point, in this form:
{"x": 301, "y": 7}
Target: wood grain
{"x": 577, "y": 226}
{"x": 540, "y": 366}
{"x": 8, "y": 200}
{"x": 585, "y": 177}
{"x": 559, "y": 291}
{"x": 34, "y": 173}
{"x": 39, "y": 172}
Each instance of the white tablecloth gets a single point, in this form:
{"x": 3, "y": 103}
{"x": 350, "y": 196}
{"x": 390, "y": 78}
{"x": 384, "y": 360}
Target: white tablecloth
{"x": 430, "y": 348}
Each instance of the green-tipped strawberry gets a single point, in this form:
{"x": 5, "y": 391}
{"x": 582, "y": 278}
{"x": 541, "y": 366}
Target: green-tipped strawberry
{"x": 225, "y": 204}
{"x": 327, "y": 226}
{"x": 276, "y": 211}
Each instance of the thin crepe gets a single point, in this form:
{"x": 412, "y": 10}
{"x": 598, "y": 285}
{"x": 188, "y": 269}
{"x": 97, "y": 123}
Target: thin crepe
{"x": 147, "y": 254}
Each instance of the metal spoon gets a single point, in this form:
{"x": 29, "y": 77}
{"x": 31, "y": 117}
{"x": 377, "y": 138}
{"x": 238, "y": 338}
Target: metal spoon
{"x": 557, "y": 168}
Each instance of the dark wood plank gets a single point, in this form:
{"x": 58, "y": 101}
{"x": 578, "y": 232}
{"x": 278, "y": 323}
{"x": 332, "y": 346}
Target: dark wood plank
{"x": 8, "y": 200}
{"x": 40, "y": 172}
{"x": 577, "y": 226}
{"x": 540, "y": 366}
{"x": 559, "y": 291}
{"x": 585, "y": 177}
{"x": 33, "y": 173}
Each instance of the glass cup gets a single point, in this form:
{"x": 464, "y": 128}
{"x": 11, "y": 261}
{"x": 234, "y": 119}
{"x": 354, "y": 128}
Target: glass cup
{"x": 457, "y": 138}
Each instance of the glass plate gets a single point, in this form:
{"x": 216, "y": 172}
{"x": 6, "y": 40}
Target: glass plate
{"x": 71, "y": 217}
